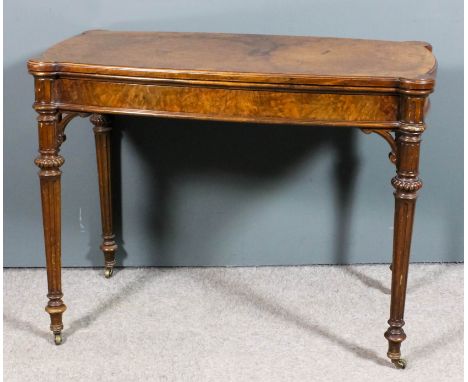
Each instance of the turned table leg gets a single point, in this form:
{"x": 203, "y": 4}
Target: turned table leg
{"x": 49, "y": 162}
{"x": 102, "y": 131}
{"x": 406, "y": 184}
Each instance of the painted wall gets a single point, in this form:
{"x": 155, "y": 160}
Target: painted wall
{"x": 198, "y": 193}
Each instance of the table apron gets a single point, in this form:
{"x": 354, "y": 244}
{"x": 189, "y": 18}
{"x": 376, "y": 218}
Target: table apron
{"x": 231, "y": 104}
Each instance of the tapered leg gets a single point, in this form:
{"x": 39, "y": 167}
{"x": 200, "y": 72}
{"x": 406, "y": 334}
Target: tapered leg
{"x": 49, "y": 162}
{"x": 102, "y": 132}
{"x": 406, "y": 184}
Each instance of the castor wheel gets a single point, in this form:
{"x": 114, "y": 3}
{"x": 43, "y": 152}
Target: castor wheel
{"x": 108, "y": 272}
{"x": 57, "y": 338}
{"x": 390, "y": 266}
{"x": 399, "y": 363}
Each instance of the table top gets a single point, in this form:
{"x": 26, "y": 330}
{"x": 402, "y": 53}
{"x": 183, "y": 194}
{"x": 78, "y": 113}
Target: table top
{"x": 242, "y": 57}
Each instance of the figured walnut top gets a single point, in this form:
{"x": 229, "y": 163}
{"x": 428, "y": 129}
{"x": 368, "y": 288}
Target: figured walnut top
{"x": 243, "y": 57}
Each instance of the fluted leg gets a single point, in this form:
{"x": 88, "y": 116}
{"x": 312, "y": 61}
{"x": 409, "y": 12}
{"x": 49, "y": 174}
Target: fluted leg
{"x": 49, "y": 162}
{"x": 102, "y": 132}
{"x": 406, "y": 184}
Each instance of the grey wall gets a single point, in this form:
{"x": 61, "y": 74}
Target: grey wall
{"x": 197, "y": 193}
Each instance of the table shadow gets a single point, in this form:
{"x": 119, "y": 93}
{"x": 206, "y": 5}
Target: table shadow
{"x": 83, "y": 322}
{"x": 253, "y": 155}
{"x": 274, "y": 308}
{"x": 234, "y": 288}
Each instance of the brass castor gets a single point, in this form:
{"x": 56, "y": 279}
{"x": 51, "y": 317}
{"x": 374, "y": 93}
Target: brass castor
{"x": 399, "y": 363}
{"x": 108, "y": 272}
{"x": 58, "y": 338}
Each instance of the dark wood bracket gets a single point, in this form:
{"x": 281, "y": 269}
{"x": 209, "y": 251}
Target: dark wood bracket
{"x": 387, "y": 135}
{"x": 63, "y": 120}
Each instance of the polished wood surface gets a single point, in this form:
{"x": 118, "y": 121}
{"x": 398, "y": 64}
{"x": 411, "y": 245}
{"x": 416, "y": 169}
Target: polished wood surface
{"x": 380, "y": 87}
{"x": 252, "y": 58}
{"x": 238, "y": 105}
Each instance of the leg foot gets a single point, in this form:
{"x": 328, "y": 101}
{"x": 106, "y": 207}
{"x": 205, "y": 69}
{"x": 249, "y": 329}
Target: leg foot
{"x": 399, "y": 363}
{"x": 56, "y": 312}
{"x": 109, "y": 248}
{"x": 58, "y": 338}
{"x": 108, "y": 272}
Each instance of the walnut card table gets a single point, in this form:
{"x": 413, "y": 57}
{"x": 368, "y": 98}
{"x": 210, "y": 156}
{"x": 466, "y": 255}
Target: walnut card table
{"x": 380, "y": 87}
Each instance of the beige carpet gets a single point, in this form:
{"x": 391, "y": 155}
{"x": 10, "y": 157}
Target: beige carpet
{"x": 311, "y": 323}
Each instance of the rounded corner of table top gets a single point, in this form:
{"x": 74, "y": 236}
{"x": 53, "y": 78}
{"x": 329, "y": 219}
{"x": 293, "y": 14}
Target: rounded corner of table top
{"x": 424, "y": 82}
{"x": 39, "y": 67}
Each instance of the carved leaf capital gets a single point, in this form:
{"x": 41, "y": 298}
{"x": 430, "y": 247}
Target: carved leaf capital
{"x": 408, "y": 185}
{"x": 100, "y": 120}
{"x": 49, "y": 162}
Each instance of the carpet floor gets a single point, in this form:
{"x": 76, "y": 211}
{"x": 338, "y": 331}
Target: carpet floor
{"x": 308, "y": 323}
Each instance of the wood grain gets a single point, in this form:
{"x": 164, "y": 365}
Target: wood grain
{"x": 242, "y": 57}
{"x": 227, "y": 104}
